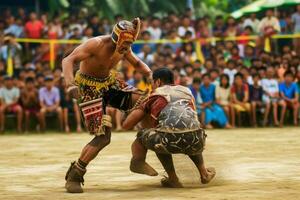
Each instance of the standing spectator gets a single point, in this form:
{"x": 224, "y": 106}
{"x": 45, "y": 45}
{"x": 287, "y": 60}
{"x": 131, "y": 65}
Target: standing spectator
{"x": 50, "y": 102}
{"x": 271, "y": 97}
{"x": 256, "y": 93}
{"x": 11, "y": 50}
{"x": 30, "y": 102}
{"x": 269, "y": 25}
{"x": 240, "y": 96}
{"x": 34, "y": 27}
{"x": 296, "y": 22}
{"x": 231, "y": 28}
{"x": 289, "y": 93}
{"x": 186, "y": 26}
{"x": 94, "y": 24}
{"x": 9, "y": 98}
{"x": 223, "y": 98}
{"x": 213, "y": 112}
{"x": 219, "y": 28}
{"x": 13, "y": 27}
{"x": 154, "y": 29}
{"x": 253, "y": 22}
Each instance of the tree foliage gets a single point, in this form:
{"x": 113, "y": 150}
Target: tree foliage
{"x": 132, "y": 8}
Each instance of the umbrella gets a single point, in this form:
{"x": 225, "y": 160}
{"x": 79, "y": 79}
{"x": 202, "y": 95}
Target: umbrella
{"x": 277, "y": 3}
{"x": 251, "y": 8}
{"x": 261, "y": 5}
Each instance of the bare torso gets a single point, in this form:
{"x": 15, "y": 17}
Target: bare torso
{"x": 102, "y": 61}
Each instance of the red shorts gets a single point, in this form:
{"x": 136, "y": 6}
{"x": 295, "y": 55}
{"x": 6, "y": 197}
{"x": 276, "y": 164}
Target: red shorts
{"x": 12, "y": 108}
{"x": 32, "y": 110}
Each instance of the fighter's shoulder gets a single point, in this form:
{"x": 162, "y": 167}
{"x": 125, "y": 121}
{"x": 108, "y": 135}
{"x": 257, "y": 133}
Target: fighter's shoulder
{"x": 184, "y": 89}
{"x": 95, "y": 42}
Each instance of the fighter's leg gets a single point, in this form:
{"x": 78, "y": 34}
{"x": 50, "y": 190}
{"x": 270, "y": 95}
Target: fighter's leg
{"x": 206, "y": 174}
{"x": 74, "y": 176}
{"x": 91, "y": 150}
{"x": 137, "y": 163}
{"x": 172, "y": 179}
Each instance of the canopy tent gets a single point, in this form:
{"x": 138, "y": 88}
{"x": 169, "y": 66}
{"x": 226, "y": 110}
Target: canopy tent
{"x": 260, "y": 5}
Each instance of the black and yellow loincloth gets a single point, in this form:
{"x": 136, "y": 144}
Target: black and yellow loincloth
{"x": 113, "y": 91}
{"x": 96, "y": 94}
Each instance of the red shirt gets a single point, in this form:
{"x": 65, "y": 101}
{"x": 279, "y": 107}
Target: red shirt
{"x": 34, "y": 29}
{"x": 153, "y": 106}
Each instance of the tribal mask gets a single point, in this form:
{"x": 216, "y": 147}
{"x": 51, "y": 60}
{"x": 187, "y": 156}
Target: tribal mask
{"x": 125, "y": 32}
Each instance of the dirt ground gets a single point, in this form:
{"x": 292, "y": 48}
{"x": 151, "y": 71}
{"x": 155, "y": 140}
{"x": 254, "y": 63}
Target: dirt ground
{"x": 250, "y": 164}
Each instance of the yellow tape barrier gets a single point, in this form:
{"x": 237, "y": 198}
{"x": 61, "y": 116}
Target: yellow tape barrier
{"x": 161, "y": 41}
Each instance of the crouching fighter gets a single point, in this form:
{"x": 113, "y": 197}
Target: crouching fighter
{"x": 171, "y": 126}
{"x": 95, "y": 85}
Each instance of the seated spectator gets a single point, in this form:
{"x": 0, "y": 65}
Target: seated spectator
{"x": 187, "y": 52}
{"x": 50, "y": 102}
{"x": 9, "y": 98}
{"x": 289, "y": 93}
{"x": 230, "y": 70}
{"x": 146, "y": 54}
{"x": 223, "y": 97}
{"x": 214, "y": 76}
{"x": 195, "y": 89}
{"x": 68, "y": 105}
{"x": 240, "y": 96}
{"x": 213, "y": 112}
{"x": 30, "y": 102}
{"x": 271, "y": 97}
{"x": 256, "y": 93}
{"x": 136, "y": 78}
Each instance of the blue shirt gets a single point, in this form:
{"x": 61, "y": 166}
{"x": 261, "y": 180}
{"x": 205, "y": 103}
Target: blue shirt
{"x": 288, "y": 91}
{"x": 207, "y": 93}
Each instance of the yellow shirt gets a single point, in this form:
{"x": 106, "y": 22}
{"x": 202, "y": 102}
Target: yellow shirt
{"x": 144, "y": 86}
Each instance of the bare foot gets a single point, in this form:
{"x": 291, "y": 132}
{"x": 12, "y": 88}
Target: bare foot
{"x": 228, "y": 126}
{"x": 78, "y": 130}
{"x": 209, "y": 126}
{"x": 166, "y": 182}
{"x": 141, "y": 167}
{"x": 67, "y": 129}
{"x": 119, "y": 129}
{"x": 295, "y": 123}
{"x": 211, "y": 172}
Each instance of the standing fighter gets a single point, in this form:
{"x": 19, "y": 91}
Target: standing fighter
{"x": 95, "y": 85}
{"x": 171, "y": 126}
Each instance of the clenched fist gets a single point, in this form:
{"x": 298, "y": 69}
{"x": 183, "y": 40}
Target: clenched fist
{"x": 73, "y": 91}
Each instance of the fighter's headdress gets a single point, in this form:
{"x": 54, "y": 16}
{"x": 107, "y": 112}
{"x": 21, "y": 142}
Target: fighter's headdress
{"x": 125, "y": 31}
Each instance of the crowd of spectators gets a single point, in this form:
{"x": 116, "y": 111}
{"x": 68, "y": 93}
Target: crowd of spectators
{"x": 237, "y": 79}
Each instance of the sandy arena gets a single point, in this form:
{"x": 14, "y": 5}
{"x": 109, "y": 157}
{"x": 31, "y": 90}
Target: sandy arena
{"x": 250, "y": 164}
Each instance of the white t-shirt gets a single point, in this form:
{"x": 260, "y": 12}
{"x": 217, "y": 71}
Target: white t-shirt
{"x": 270, "y": 85}
{"x": 230, "y": 73}
{"x": 252, "y": 24}
{"x": 155, "y": 33}
{"x": 9, "y": 95}
{"x": 265, "y": 22}
{"x": 182, "y": 30}
{"x": 148, "y": 59}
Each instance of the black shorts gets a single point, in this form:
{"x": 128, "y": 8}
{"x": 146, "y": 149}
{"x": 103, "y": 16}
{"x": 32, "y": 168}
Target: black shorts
{"x": 190, "y": 143}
